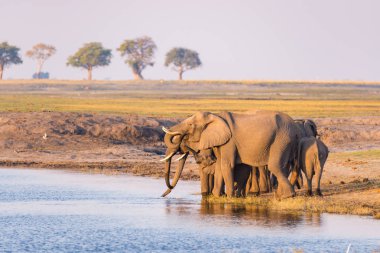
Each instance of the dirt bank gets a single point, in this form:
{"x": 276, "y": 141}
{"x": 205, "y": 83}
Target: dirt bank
{"x": 133, "y": 144}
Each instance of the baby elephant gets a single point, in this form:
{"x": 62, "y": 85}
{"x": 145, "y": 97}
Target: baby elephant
{"x": 206, "y": 164}
{"x": 312, "y": 154}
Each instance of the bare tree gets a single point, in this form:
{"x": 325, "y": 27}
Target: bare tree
{"x": 41, "y": 52}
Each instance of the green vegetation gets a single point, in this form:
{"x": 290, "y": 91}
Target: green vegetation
{"x": 90, "y": 56}
{"x": 8, "y": 56}
{"x": 140, "y": 53}
{"x": 182, "y": 59}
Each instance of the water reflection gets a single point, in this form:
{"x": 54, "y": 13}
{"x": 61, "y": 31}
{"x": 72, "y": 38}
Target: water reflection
{"x": 42, "y": 210}
{"x": 251, "y": 215}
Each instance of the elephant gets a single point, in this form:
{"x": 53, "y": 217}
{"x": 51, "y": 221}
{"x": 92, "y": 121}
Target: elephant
{"x": 249, "y": 180}
{"x": 206, "y": 162}
{"x": 305, "y": 128}
{"x": 255, "y": 139}
{"x": 312, "y": 154}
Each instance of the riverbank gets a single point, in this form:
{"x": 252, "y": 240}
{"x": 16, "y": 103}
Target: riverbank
{"x": 112, "y": 144}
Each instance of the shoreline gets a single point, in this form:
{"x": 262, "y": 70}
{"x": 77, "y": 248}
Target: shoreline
{"x": 336, "y": 199}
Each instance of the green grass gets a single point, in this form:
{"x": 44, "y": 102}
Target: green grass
{"x": 183, "y": 107}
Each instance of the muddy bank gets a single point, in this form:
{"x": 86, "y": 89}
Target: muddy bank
{"x": 130, "y": 143}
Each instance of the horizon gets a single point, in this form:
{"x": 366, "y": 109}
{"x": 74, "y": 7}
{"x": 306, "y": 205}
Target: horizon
{"x": 243, "y": 40}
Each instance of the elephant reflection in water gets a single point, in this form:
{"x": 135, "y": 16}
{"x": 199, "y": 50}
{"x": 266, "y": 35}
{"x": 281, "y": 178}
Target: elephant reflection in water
{"x": 258, "y": 215}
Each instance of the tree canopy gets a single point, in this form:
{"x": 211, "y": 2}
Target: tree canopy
{"x": 90, "y": 56}
{"x": 182, "y": 59}
{"x": 41, "y": 52}
{"x": 139, "y": 53}
{"x": 8, "y": 55}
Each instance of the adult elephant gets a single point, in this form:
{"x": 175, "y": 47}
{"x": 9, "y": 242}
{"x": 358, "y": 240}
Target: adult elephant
{"x": 256, "y": 139}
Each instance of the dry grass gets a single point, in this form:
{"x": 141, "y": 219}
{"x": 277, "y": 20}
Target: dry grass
{"x": 372, "y": 154}
{"x": 183, "y": 107}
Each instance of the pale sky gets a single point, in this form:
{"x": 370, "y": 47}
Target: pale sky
{"x": 236, "y": 39}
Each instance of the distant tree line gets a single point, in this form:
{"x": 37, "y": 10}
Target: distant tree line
{"x": 138, "y": 54}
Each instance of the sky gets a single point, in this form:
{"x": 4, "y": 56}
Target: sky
{"x": 236, "y": 39}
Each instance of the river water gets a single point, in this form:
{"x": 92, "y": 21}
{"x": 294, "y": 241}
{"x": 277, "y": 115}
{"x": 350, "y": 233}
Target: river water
{"x": 63, "y": 211}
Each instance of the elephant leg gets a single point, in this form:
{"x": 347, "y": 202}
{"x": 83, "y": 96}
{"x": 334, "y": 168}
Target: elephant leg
{"x": 277, "y": 165}
{"x": 248, "y": 185}
{"x": 254, "y": 189}
{"x": 318, "y": 175}
{"x": 309, "y": 186}
{"x": 204, "y": 183}
{"x": 274, "y": 181}
{"x": 242, "y": 173}
{"x": 228, "y": 176}
{"x": 270, "y": 187}
{"x": 210, "y": 183}
{"x": 227, "y": 165}
{"x": 263, "y": 182}
{"x": 218, "y": 180}
{"x": 223, "y": 188}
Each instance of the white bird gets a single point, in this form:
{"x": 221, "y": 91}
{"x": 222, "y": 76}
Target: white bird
{"x": 44, "y": 137}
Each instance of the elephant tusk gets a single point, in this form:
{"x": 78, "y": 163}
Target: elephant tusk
{"x": 168, "y": 157}
{"x": 166, "y": 193}
{"x": 170, "y": 132}
{"x": 182, "y": 156}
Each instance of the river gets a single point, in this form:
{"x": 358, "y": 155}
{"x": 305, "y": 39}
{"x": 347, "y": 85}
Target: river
{"x": 65, "y": 211}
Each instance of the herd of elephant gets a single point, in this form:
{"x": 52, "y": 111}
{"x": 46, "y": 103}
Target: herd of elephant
{"x": 249, "y": 153}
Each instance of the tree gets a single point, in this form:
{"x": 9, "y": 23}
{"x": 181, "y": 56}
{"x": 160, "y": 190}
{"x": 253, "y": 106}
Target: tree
{"x": 90, "y": 56}
{"x": 41, "y": 52}
{"x": 140, "y": 53}
{"x": 8, "y": 56}
{"x": 182, "y": 59}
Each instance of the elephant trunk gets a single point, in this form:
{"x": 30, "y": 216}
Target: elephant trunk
{"x": 168, "y": 139}
{"x": 172, "y": 139}
{"x": 177, "y": 175}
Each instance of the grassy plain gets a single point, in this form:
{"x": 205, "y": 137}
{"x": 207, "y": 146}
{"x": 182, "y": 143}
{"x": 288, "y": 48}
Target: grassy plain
{"x": 179, "y": 99}
{"x": 171, "y": 107}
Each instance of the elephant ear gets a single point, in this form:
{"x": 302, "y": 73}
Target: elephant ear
{"x": 216, "y": 133}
